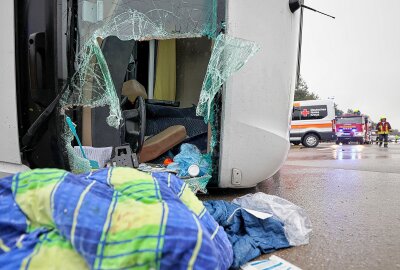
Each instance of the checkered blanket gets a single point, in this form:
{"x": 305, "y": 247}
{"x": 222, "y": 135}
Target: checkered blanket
{"x": 109, "y": 219}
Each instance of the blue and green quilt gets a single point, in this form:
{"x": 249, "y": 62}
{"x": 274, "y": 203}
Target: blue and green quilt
{"x": 116, "y": 218}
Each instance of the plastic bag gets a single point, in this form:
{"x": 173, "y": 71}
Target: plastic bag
{"x": 101, "y": 155}
{"x": 297, "y": 223}
{"x": 188, "y": 156}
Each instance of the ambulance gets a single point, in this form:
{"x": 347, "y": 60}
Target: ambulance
{"x": 313, "y": 121}
{"x": 42, "y": 44}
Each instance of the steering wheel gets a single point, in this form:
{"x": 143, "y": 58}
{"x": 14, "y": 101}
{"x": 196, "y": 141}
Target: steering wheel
{"x": 134, "y": 129}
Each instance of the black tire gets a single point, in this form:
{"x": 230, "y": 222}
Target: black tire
{"x": 337, "y": 142}
{"x": 310, "y": 141}
{"x": 296, "y": 143}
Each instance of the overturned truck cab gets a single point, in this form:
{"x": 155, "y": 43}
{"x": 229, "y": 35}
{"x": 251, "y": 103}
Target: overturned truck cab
{"x": 140, "y": 79}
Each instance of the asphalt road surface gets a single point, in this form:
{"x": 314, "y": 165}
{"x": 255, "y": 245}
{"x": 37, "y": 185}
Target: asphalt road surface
{"x": 352, "y": 194}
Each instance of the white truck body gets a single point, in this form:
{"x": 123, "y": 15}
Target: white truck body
{"x": 258, "y": 99}
{"x": 257, "y": 102}
{"x": 10, "y": 158}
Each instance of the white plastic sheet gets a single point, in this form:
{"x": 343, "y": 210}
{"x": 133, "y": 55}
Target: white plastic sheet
{"x": 297, "y": 224}
{"x": 101, "y": 155}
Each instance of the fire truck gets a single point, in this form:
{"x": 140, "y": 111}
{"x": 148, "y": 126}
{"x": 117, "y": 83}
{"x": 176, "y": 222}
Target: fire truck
{"x": 353, "y": 128}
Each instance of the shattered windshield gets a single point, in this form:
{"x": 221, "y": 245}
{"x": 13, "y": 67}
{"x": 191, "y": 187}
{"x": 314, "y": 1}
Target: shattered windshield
{"x": 92, "y": 84}
{"x": 175, "y": 18}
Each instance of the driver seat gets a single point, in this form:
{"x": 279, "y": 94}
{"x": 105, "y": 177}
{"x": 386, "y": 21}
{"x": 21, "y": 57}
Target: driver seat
{"x": 117, "y": 55}
{"x": 160, "y": 143}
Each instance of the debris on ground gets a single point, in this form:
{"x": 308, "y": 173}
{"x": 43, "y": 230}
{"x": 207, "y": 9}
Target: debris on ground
{"x": 193, "y": 167}
{"x": 91, "y": 218}
{"x": 190, "y": 165}
{"x": 189, "y": 157}
{"x": 297, "y": 223}
{"x": 153, "y": 168}
{"x": 251, "y": 233}
{"x": 115, "y": 218}
{"x": 274, "y": 262}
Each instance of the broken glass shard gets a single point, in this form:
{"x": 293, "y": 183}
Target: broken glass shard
{"x": 229, "y": 55}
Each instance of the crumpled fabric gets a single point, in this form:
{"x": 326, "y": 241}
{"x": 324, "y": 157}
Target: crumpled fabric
{"x": 297, "y": 223}
{"x": 250, "y": 236}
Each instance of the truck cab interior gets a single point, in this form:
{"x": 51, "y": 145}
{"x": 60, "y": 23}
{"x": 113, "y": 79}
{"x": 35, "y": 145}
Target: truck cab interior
{"x": 127, "y": 73}
{"x": 152, "y": 126}
{"x": 157, "y": 81}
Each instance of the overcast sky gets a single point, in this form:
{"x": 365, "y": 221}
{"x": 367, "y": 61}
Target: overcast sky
{"x": 356, "y": 57}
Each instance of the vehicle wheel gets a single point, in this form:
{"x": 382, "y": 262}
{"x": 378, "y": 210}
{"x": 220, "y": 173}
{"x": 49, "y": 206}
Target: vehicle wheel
{"x": 311, "y": 141}
{"x": 361, "y": 141}
{"x": 337, "y": 142}
{"x": 296, "y": 143}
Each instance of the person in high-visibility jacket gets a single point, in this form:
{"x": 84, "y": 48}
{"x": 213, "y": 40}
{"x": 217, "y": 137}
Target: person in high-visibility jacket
{"x": 383, "y": 128}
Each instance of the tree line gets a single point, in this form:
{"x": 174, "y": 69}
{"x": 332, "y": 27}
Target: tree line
{"x": 302, "y": 92}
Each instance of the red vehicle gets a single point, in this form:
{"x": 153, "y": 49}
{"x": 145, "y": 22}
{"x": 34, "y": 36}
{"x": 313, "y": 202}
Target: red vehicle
{"x": 353, "y": 128}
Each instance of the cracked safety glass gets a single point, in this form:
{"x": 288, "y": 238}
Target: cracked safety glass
{"x": 92, "y": 85}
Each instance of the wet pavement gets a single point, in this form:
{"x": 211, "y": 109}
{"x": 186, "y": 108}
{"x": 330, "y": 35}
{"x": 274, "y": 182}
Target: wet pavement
{"x": 352, "y": 194}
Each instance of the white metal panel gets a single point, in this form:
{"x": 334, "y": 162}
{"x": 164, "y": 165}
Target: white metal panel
{"x": 258, "y": 99}
{"x": 7, "y": 168}
{"x": 9, "y": 143}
